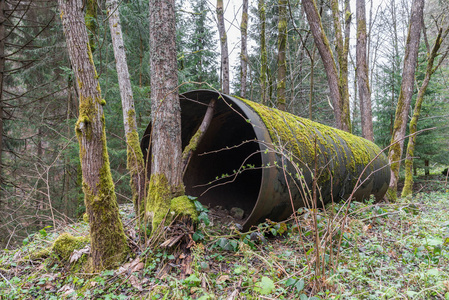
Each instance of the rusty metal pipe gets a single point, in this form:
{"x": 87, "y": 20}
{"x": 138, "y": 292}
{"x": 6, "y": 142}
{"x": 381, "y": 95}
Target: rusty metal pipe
{"x": 249, "y": 150}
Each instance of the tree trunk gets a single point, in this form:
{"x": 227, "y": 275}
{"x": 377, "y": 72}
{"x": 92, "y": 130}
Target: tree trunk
{"x": 405, "y": 95}
{"x": 224, "y": 48}
{"x": 322, "y": 43}
{"x": 166, "y": 172}
{"x": 91, "y": 22}
{"x": 342, "y": 46}
{"x": 135, "y": 162}
{"x": 282, "y": 64}
{"x": 312, "y": 83}
{"x": 362, "y": 73}
{"x": 108, "y": 240}
{"x": 2, "y": 78}
{"x": 263, "y": 54}
{"x": 426, "y": 167}
{"x": 408, "y": 183}
{"x": 244, "y": 49}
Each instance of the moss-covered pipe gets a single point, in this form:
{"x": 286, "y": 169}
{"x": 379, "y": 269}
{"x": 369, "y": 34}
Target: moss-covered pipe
{"x": 241, "y": 159}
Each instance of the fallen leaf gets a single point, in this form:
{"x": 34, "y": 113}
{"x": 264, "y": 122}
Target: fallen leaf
{"x": 77, "y": 254}
{"x": 66, "y": 290}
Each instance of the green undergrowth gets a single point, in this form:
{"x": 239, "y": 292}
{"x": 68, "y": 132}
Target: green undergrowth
{"x": 388, "y": 251}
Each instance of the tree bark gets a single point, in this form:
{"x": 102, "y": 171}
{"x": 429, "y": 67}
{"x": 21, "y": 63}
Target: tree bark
{"x": 135, "y": 162}
{"x": 282, "y": 63}
{"x": 405, "y": 95}
{"x": 311, "y": 82}
{"x": 362, "y": 73}
{"x": 263, "y": 54}
{"x": 342, "y": 47}
{"x": 408, "y": 182}
{"x": 224, "y": 48}
{"x": 323, "y": 46}
{"x": 244, "y": 49}
{"x": 166, "y": 172}
{"x": 108, "y": 240}
{"x": 2, "y": 78}
{"x": 198, "y": 136}
{"x": 91, "y": 22}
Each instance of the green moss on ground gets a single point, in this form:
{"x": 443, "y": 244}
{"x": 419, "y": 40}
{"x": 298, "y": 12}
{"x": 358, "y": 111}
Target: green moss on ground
{"x": 183, "y": 206}
{"x": 66, "y": 243}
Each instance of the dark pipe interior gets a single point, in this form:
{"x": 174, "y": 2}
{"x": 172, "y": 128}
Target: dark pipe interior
{"x": 224, "y": 143}
{"x": 226, "y": 138}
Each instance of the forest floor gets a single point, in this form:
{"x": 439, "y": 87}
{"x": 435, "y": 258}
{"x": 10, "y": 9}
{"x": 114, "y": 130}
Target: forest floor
{"x": 387, "y": 251}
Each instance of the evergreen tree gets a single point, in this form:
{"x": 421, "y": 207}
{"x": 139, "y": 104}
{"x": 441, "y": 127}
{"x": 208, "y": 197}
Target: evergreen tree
{"x": 199, "y": 54}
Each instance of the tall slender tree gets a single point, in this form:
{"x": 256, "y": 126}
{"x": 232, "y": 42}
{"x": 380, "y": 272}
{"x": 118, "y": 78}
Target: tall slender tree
{"x": 430, "y": 69}
{"x": 282, "y": 63}
{"x": 244, "y": 49}
{"x": 224, "y": 47}
{"x": 108, "y": 241}
{"x": 2, "y": 69}
{"x": 405, "y": 95}
{"x": 263, "y": 53}
{"x": 135, "y": 162}
{"x": 342, "y": 47}
{"x": 362, "y": 73}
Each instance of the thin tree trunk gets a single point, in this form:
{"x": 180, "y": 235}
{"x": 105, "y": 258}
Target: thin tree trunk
{"x": 342, "y": 46}
{"x": 66, "y": 198}
{"x": 405, "y": 95}
{"x": 108, "y": 240}
{"x": 166, "y": 172}
{"x": 263, "y": 54}
{"x": 426, "y": 167}
{"x": 198, "y": 136}
{"x": 40, "y": 195}
{"x": 135, "y": 162}
{"x": 322, "y": 43}
{"x": 282, "y": 64}
{"x": 362, "y": 73}
{"x": 2, "y": 78}
{"x": 244, "y": 49}
{"x": 408, "y": 183}
{"x": 224, "y": 48}
{"x": 312, "y": 82}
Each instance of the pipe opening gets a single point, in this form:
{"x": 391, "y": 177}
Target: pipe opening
{"x": 227, "y": 147}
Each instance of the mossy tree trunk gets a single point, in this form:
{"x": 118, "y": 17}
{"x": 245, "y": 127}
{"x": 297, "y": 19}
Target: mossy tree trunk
{"x": 341, "y": 113}
{"x": 408, "y": 183}
{"x": 244, "y": 49}
{"x": 224, "y": 48}
{"x": 166, "y": 171}
{"x": 135, "y": 162}
{"x": 91, "y": 22}
{"x": 109, "y": 246}
{"x": 405, "y": 95}
{"x": 263, "y": 53}
{"x": 342, "y": 47}
{"x": 282, "y": 63}
{"x": 362, "y": 73}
